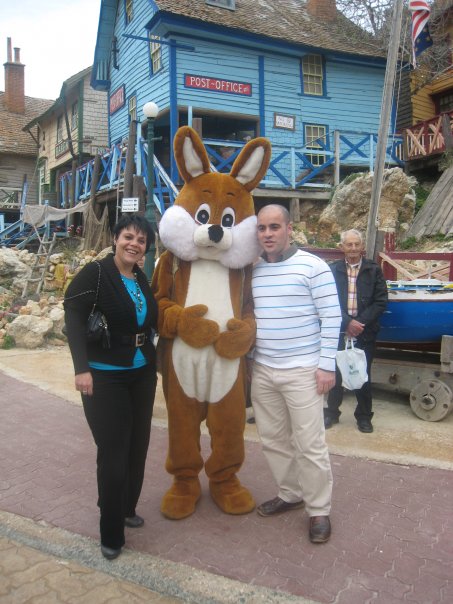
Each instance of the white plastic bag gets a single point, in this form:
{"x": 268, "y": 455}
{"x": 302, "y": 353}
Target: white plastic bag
{"x": 352, "y": 365}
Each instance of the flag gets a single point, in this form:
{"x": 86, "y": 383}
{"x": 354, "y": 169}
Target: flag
{"x": 421, "y": 39}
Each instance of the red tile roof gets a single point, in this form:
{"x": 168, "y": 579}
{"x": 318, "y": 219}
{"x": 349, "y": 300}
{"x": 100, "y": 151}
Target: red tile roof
{"x": 12, "y": 139}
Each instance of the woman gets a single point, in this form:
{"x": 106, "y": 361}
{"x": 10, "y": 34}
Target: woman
{"x": 117, "y": 381}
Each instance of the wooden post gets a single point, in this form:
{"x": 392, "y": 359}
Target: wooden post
{"x": 94, "y": 185}
{"x": 336, "y": 138}
{"x": 139, "y": 190}
{"x": 72, "y": 192}
{"x": 294, "y": 209}
{"x": 386, "y": 107}
{"x": 446, "y": 132}
{"x": 130, "y": 154}
{"x": 197, "y": 125}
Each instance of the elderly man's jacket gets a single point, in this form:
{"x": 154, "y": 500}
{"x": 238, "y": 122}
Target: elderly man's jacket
{"x": 372, "y": 296}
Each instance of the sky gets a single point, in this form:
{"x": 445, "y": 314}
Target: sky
{"x": 56, "y": 40}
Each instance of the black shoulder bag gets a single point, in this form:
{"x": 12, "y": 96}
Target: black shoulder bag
{"x": 97, "y": 328}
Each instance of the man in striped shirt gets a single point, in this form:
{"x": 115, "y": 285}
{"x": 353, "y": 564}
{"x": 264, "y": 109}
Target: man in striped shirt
{"x": 298, "y": 321}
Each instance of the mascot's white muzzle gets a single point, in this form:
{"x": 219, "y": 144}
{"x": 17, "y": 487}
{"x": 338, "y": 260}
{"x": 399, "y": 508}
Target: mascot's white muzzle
{"x": 214, "y": 236}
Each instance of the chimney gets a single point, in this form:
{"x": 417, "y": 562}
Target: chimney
{"x": 324, "y": 10}
{"x": 14, "y": 81}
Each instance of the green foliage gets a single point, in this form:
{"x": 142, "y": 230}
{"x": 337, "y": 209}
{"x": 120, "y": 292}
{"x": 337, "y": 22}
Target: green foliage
{"x": 409, "y": 244}
{"x": 8, "y": 342}
{"x": 446, "y": 161}
{"x": 351, "y": 177}
{"x": 421, "y": 195}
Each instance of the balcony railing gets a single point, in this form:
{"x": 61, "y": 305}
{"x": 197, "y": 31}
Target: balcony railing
{"x": 290, "y": 167}
{"x": 428, "y": 138}
{"x": 61, "y": 148}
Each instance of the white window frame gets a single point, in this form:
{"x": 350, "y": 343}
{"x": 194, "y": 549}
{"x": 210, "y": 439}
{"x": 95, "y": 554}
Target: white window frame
{"x": 75, "y": 115}
{"x": 155, "y": 51}
{"x": 59, "y": 128}
{"x": 42, "y": 181}
{"x": 313, "y": 133}
{"x": 132, "y": 108}
{"x": 313, "y": 75}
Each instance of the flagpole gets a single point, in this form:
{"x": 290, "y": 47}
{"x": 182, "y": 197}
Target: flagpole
{"x": 381, "y": 147}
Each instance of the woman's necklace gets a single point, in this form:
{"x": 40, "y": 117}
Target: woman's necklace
{"x": 136, "y": 294}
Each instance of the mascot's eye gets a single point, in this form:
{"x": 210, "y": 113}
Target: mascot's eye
{"x": 228, "y": 218}
{"x": 203, "y": 214}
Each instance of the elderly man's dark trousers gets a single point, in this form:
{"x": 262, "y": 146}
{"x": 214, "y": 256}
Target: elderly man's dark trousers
{"x": 363, "y": 395}
{"x": 119, "y": 415}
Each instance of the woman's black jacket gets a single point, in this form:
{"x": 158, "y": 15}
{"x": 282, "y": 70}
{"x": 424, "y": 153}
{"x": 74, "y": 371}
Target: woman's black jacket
{"x": 372, "y": 296}
{"x": 119, "y": 309}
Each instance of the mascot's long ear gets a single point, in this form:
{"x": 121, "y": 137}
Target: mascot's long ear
{"x": 252, "y": 163}
{"x": 190, "y": 154}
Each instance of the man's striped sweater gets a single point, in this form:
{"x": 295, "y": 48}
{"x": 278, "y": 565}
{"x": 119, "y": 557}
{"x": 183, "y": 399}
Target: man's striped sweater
{"x": 297, "y": 312}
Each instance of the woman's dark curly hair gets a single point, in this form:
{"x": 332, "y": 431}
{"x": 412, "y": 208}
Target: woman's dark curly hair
{"x": 139, "y": 223}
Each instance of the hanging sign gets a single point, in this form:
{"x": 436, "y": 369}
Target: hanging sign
{"x": 117, "y": 100}
{"x": 129, "y": 204}
{"x": 286, "y": 122}
{"x": 217, "y": 85}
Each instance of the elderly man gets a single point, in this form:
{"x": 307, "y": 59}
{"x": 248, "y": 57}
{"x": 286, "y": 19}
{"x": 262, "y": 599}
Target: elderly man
{"x": 298, "y": 320}
{"x": 362, "y": 291}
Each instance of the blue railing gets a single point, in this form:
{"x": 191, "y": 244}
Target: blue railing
{"x": 290, "y": 168}
{"x": 111, "y": 176}
{"x": 296, "y": 167}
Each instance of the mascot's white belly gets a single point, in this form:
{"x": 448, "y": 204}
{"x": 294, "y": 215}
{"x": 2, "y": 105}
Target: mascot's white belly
{"x": 201, "y": 373}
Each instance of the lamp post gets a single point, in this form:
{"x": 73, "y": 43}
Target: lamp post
{"x": 150, "y": 111}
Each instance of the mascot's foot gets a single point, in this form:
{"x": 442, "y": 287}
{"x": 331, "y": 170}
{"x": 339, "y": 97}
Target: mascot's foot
{"x": 232, "y": 497}
{"x": 181, "y": 498}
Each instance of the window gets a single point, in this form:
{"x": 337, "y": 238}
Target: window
{"x": 316, "y": 138}
{"x": 313, "y": 75}
{"x": 155, "y": 50}
{"x": 132, "y": 109}
{"x": 60, "y": 129}
{"x": 230, "y": 4}
{"x": 129, "y": 11}
{"x": 74, "y": 115}
{"x": 445, "y": 103}
{"x": 42, "y": 181}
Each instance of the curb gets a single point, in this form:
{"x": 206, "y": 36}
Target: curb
{"x": 164, "y": 577}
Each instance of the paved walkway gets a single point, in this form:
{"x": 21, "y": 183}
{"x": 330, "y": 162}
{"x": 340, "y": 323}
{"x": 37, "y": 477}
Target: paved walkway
{"x": 392, "y": 527}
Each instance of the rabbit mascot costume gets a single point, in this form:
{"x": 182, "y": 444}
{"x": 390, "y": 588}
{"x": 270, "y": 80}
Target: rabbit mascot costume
{"x": 206, "y": 324}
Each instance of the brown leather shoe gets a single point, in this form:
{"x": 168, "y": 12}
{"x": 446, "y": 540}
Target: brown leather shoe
{"x": 320, "y": 529}
{"x": 278, "y": 506}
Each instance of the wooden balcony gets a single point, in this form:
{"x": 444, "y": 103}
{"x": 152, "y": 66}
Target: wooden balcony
{"x": 429, "y": 138}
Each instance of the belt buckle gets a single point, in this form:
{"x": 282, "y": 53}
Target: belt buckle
{"x": 139, "y": 339}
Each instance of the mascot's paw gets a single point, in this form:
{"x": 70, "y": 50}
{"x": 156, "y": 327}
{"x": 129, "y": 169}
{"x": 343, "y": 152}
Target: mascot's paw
{"x": 232, "y": 497}
{"x": 194, "y": 329}
{"x": 235, "y": 342}
{"x": 181, "y": 498}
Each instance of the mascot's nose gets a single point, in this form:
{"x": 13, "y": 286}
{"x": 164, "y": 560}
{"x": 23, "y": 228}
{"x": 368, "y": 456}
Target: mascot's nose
{"x": 215, "y": 233}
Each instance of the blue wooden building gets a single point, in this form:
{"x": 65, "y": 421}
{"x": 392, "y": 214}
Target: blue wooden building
{"x": 296, "y": 72}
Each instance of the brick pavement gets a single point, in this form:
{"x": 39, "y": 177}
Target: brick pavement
{"x": 392, "y": 524}
{"x": 28, "y": 575}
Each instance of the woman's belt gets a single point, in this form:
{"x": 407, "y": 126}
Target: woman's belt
{"x": 135, "y": 339}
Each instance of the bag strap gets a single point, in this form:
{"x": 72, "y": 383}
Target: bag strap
{"x": 97, "y": 287}
{"x": 349, "y": 344}
{"x": 90, "y": 291}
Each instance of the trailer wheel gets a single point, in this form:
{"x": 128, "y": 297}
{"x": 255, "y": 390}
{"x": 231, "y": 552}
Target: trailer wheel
{"x": 431, "y": 400}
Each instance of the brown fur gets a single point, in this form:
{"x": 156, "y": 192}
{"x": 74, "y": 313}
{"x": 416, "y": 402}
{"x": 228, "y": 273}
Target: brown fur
{"x": 225, "y": 419}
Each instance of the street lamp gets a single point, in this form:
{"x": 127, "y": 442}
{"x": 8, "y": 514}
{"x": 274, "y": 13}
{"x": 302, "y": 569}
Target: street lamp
{"x": 150, "y": 111}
